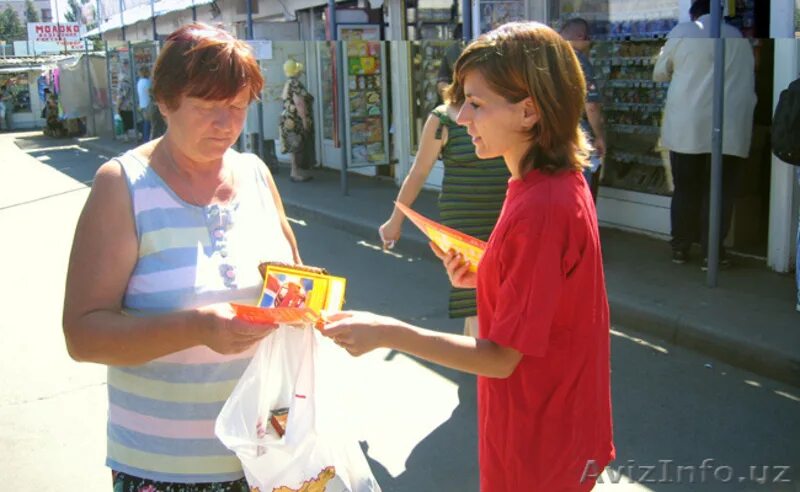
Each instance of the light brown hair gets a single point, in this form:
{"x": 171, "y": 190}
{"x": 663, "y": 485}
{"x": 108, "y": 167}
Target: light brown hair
{"x": 528, "y": 59}
{"x": 206, "y": 62}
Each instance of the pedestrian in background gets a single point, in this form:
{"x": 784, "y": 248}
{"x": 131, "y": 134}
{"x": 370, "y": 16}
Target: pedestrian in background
{"x": 473, "y": 190}
{"x": 143, "y": 98}
{"x": 125, "y": 103}
{"x": 172, "y": 231}
{"x": 157, "y": 124}
{"x": 3, "y": 99}
{"x": 687, "y": 62}
{"x": 297, "y": 122}
{"x": 542, "y": 354}
{"x": 7, "y": 101}
{"x": 577, "y": 32}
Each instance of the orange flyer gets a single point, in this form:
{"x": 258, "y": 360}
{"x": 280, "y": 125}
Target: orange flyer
{"x": 293, "y": 295}
{"x": 446, "y": 238}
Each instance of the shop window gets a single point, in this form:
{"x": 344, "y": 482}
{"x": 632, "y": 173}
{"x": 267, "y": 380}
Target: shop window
{"x": 627, "y": 39}
{"x": 17, "y": 93}
{"x": 433, "y": 28}
{"x": 325, "y": 52}
{"x": 494, "y": 13}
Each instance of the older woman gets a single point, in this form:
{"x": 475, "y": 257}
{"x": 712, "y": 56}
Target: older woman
{"x": 297, "y": 122}
{"x": 171, "y": 232}
{"x": 542, "y": 352}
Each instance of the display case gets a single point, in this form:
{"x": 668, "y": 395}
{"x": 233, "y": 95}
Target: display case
{"x": 633, "y": 107}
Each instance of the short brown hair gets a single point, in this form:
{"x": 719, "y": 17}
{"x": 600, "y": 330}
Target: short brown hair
{"x": 528, "y": 59}
{"x": 206, "y": 62}
{"x": 454, "y": 93}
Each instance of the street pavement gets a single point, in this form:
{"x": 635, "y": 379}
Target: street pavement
{"x": 672, "y": 407}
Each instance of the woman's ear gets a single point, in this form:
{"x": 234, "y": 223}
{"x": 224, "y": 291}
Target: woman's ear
{"x": 530, "y": 113}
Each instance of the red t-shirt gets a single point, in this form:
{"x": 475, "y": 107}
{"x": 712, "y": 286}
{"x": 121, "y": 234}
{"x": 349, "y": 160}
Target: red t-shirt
{"x": 542, "y": 292}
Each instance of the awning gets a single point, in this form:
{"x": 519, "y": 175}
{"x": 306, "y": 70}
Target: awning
{"x": 28, "y": 64}
{"x": 143, "y": 12}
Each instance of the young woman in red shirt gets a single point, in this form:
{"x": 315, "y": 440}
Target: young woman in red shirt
{"x": 542, "y": 353}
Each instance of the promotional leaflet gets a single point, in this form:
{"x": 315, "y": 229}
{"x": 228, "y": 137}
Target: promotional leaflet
{"x": 446, "y": 238}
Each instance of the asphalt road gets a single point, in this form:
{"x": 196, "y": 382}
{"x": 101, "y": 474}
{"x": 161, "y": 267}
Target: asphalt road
{"x": 682, "y": 422}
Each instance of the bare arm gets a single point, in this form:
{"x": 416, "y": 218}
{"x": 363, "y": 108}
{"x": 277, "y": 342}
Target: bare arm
{"x": 104, "y": 254}
{"x": 427, "y": 154}
{"x": 285, "y": 226}
{"x": 360, "y": 332}
{"x": 594, "y": 113}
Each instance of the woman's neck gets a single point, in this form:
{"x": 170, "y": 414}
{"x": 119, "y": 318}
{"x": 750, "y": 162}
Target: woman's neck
{"x": 185, "y": 164}
{"x": 515, "y": 160}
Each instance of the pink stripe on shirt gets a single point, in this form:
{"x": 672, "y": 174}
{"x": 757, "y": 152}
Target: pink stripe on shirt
{"x": 154, "y": 426}
{"x": 204, "y": 355}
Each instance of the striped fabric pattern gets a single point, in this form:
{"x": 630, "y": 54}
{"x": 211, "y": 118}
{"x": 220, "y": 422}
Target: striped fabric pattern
{"x": 161, "y": 414}
{"x": 472, "y": 195}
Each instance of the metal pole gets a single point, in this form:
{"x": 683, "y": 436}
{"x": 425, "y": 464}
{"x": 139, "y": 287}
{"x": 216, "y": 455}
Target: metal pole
{"x": 194, "y": 12}
{"x": 99, "y": 19}
{"x": 110, "y": 92}
{"x": 134, "y": 96}
{"x": 466, "y": 20}
{"x": 93, "y": 131}
{"x": 153, "y": 18}
{"x": 58, "y": 31}
{"x": 250, "y": 34}
{"x": 340, "y": 74}
{"x": 122, "y": 18}
{"x": 715, "y": 198}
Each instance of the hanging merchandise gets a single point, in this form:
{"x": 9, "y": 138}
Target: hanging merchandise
{"x": 365, "y": 100}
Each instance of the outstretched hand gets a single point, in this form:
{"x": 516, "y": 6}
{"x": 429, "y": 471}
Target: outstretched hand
{"x": 358, "y": 332}
{"x": 224, "y": 333}
{"x": 457, "y": 268}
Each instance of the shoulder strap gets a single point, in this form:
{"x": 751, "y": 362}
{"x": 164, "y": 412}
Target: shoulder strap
{"x": 444, "y": 120}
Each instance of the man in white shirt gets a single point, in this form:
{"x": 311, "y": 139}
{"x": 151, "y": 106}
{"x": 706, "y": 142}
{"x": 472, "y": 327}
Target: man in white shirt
{"x": 143, "y": 96}
{"x": 687, "y": 62}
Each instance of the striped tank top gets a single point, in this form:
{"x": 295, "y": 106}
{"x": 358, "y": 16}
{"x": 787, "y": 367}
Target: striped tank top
{"x": 472, "y": 195}
{"x": 161, "y": 414}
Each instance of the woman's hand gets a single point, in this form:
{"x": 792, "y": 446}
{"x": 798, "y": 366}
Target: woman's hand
{"x": 390, "y": 232}
{"x": 457, "y": 268}
{"x": 358, "y": 332}
{"x": 223, "y": 333}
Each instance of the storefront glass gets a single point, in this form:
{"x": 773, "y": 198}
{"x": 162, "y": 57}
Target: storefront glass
{"x": 797, "y": 18}
{"x": 495, "y": 13}
{"x": 433, "y": 29}
{"x": 325, "y": 54}
{"x": 628, "y": 35}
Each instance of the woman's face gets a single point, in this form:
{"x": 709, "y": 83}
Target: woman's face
{"x": 204, "y": 130}
{"x": 497, "y": 127}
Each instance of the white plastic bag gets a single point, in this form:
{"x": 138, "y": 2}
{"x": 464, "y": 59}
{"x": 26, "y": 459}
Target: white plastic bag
{"x": 318, "y": 452}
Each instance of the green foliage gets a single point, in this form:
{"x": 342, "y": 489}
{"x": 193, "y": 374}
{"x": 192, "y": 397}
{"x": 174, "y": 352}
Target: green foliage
{"x": 31, "y": 15}
{"x": 74, "y": 13}
{"x": 11, "y": 29}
